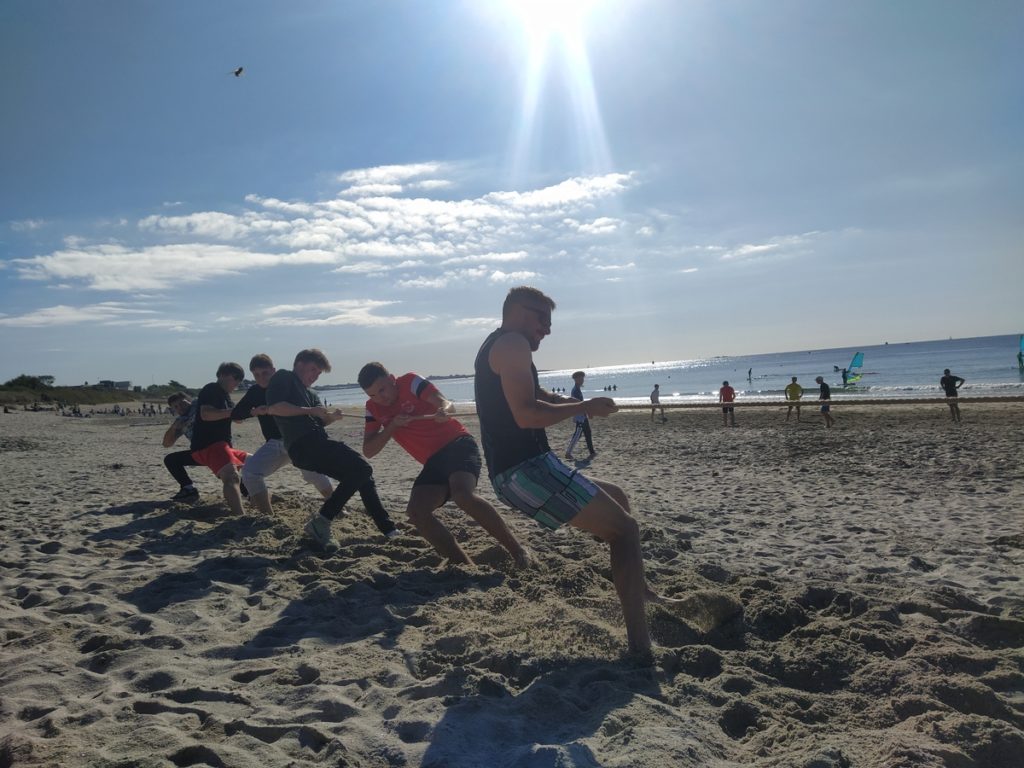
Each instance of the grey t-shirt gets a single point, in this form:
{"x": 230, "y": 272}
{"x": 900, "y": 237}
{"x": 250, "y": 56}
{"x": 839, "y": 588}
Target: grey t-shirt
{"x": 285, "y": 386}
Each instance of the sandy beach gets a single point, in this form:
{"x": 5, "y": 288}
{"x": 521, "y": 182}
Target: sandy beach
{"x": 856, "y": 600}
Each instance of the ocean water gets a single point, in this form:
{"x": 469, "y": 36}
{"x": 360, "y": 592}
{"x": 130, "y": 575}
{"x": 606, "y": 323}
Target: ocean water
{"x": 911, "y": 369}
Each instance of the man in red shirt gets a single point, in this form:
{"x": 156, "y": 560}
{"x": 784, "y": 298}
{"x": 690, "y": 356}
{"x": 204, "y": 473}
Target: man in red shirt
{"x": 412, "y": 411}
{"x": 726, "y": 396}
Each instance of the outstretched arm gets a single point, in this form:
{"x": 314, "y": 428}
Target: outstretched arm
{"x": 511, "y": 358}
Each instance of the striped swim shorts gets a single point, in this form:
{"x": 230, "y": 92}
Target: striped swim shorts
{"x": 545, "y": 489}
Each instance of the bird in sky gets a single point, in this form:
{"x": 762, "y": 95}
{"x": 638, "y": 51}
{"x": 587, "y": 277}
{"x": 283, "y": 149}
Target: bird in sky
{"x": 238, "y": 72}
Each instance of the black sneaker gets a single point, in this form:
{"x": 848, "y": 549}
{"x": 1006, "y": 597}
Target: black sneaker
{"x": 186, "y": 494}
{"x": 244, "y": 490}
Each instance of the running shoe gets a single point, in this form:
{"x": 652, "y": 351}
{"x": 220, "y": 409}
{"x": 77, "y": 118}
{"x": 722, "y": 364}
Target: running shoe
{"x": 319, "y": 529}
{"x": 188, "y": 493}
{"x": 394, "y": 533}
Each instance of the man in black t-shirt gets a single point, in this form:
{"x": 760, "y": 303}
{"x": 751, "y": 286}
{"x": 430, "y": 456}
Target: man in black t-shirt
{"x": 272, "y": 455}
{"x": 302, "y": 419}
{"x": 825, "y": 396}
{"x": 211, "y": 433}
{"x": 950, "y": 384}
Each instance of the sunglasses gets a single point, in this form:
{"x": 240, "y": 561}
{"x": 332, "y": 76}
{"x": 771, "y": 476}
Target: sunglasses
{"x": 544, "y": 315}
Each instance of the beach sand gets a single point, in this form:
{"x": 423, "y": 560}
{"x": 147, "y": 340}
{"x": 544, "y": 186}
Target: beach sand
{"x": 855, "y": 598}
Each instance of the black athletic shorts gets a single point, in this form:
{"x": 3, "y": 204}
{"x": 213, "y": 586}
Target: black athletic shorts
{"x": 460, "y": 455}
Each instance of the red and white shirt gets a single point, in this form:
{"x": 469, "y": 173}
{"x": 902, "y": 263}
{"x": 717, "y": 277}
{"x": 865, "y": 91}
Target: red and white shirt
{"x": 422, "y": 438}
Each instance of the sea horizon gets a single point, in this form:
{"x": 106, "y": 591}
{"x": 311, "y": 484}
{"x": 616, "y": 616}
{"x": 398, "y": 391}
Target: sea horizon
{"x": 891, "y": 370}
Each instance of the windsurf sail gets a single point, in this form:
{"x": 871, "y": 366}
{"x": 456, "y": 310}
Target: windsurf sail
{"x": 853, "y": 373}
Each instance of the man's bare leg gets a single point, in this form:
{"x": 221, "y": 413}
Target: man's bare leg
{"x": 232, "y": 493}
{"x": 609, "y": 521}
{"x": 261, "y": 501}
{"x": 423, "y": 500}
{"x": 463, "y": 490}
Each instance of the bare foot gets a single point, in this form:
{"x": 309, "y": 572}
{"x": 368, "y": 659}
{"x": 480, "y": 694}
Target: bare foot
{"x": 524, "y": 558}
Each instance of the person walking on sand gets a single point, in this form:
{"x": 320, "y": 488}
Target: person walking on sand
{"x": 414, "y": 412}
{"x": 656, "y": 403}
{"x": 184, "y": 411}
{"x": 793, "y": 394}
{"x": 825, "y": 396}
{"x": 951, "y": 385}
{"x": 211, "y": 433}
{"x": 514, "y": 411}
{"x": 727, "y": 396}
{"x": 272, "y": 455}
{"x": 580, "y": 419}
{"x": 302, "y": 420}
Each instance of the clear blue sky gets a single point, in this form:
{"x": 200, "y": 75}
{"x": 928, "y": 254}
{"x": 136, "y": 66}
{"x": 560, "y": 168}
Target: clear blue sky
{"x": 684, "y": 178}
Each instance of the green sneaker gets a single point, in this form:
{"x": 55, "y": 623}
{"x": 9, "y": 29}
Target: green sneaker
{"x": 319, "y": 529}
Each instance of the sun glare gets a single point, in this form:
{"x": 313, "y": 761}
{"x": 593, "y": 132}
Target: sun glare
{"x": 544, "y": 19}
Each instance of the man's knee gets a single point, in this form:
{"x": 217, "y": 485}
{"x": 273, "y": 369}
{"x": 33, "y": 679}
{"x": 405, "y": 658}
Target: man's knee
{"x": 419, "y": 514}
{"x": 229, "y": 474}
{"x": 255, "y": 482}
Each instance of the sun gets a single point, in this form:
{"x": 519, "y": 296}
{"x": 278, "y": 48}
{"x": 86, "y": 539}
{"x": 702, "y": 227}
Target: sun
{"x": 546, "y": 19}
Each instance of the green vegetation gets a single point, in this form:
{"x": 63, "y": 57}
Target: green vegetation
{"x": 25, "y": 390}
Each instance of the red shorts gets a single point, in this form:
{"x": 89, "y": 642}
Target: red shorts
{"x": 218, "y": 456}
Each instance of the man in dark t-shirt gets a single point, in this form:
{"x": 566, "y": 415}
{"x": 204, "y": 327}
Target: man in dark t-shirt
{"x": 950, "y": 385}
{"x": 302, "y": 419}
{"x": 825, "y": 396}
{"x": 272, "y": 455}
{"x": 526, "y": 474}
{"x": 211, "y": 433}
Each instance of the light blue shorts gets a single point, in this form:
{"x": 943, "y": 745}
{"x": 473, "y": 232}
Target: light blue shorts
{"x": 545, "y": 489}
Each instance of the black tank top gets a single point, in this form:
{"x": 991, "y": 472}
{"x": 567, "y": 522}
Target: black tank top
{"x": 505, "y": 443}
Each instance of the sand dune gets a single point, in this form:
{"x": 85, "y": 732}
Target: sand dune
{"x": 854, "y": 598}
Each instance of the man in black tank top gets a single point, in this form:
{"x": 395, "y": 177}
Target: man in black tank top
{"x": 514, "y": 411}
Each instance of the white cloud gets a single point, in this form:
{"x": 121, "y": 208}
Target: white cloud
{"x": 569, "y": 192}
{"x": 222, "y": 226}
{"x": 688, "y": 270}
{"x": 511, "y": 277}
{"x": 357, "y": 312}
{"x": 104, "y": 313}
{"x": 784, "y": 245}
{"x": 429, "y": 184}
{"x": 389, "y": 174}
{"x": 489, "y": 322}
{"x": 28, "y": 225}
{"x": 600, "y": 226}
{"x": 483, "y": 258}
{"x": 372, "y": 190}
{"x": 119, "y": 268}
{"x": 605, "y": 267}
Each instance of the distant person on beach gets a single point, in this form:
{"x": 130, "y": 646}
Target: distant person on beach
{"x": 580, "y": 419}
{"x": 413, "y": 411}
{"x": 656, "y": 403}
{"x": 302, "y": 420}
{"x": 272, "y": 455}
{"x": 727, "y": 396}
{"x": 951, "y": 385}
{"x": 211, "y": 433}
{"x": 846, "y": 375}
{"x": 825, "y": 396}
{"x": 750, "y": 374}
{"x": 793, "y": 394}
{"x": 185, "y": 416}
{"x": 514, "y": 411}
